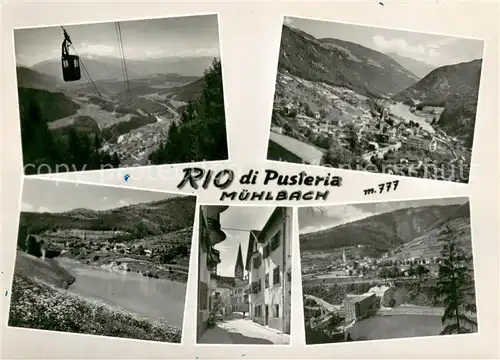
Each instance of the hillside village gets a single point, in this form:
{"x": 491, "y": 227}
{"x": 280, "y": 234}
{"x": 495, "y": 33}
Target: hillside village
{"x": 93, "y": 238}
{"x": 399, "y": 128}
{"x": 396, "y": 281}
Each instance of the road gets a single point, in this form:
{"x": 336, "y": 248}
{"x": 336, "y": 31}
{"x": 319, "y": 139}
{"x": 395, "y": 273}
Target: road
{"x": 333, "y": 280}
{"x": 237, "y": 330}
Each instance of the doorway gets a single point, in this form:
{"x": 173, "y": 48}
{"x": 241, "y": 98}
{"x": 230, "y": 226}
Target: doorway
{"x": 266, "y": 315}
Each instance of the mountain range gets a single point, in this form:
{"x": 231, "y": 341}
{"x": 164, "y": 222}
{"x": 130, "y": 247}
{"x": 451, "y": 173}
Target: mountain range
{"x": 417, "y": 67}
{"x": 155, "y": 218}
{"x": 386, "y": 231}
{"x": 374, "y": 74}
{"x": 110, "y": 68}
{"x": 454, "y": 87}
{"x": 342, "y": 63}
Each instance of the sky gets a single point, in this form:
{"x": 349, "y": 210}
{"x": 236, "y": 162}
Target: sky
{"x": 187, "y": 36}
{"x": 236, "y": 222}
{"x": 58, "y": 196}
{"x": 435, "y": 50}
{"x": 312, "y": 219}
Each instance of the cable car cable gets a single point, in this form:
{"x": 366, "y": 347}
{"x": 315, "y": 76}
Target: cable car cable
{"x": 124, "y": 64}
{"x": 68, "y": 39}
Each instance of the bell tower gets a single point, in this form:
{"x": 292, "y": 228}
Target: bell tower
{"x": 239, "y": 268}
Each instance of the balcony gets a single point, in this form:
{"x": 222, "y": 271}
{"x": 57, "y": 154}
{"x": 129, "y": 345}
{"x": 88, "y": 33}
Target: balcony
{"x": 215, "y": 233}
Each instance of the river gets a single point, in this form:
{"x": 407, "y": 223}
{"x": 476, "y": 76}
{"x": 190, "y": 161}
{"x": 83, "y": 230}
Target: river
{"x": 397, "y": 326}
{"x": 149, "y": 297}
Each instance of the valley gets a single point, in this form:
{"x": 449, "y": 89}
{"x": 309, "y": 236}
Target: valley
{"x": 389, "y": 265}
{"x": 131, "y": 126}
{"x": 365, "y": 111}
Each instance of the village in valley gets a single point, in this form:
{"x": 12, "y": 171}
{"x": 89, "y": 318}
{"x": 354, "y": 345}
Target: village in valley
{"x": 367, "y": 291}
{"x": 352, "y": 105}
{"x": 348, "y": 130}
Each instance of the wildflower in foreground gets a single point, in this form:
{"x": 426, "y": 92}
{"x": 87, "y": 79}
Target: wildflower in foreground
{"x": 38, "y": 305}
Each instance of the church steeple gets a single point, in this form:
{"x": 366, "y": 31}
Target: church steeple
{"x": 239, "y": 268}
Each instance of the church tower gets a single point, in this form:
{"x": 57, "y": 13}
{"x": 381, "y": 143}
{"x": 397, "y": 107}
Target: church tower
{"x": 239, "y": 268}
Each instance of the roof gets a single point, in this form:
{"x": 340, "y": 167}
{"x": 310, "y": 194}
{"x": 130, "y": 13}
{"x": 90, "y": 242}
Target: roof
{"x": 277, "y": 213}
{"x": 239, "y": 261}
{"x": 306, "y": 152}
{"x": 253, "y": 234}
{"x": 228, "y": 280}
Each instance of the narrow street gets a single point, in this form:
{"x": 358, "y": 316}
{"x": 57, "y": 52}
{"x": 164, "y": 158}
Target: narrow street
{"x": 234, "y": 329}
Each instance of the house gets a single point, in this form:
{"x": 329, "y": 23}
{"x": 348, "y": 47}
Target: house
{"x": 358, "y": 306}
{"x": 224, "y": 291}
{"x": 209, "y": 234}
{"x": 268, "y": 264}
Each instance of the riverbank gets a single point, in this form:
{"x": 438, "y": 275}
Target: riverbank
{"x": 136, "y": 264}
{"x": 38, "y": 305}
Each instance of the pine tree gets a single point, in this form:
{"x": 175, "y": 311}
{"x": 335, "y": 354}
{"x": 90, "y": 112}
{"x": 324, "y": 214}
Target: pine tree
{"x": 455, "y": 280}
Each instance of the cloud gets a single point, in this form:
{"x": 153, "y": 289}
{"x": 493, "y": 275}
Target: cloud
{"x": 397, "y": 45}
{"x": 427, "y": 52}
{"x": 26, "y": 207}
{"x": 43, "y": 209}
{"x": 98, "y": 49}
{"x": 122, "y": 202}
{"x": 327, "y": 217}
{"x": 288, "y": 21}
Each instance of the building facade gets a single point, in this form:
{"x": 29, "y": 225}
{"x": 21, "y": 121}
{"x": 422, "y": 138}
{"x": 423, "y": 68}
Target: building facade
{"x": 357, "y": 306}
{"x": 269, "y": 270}
{"x": 209, "y": 234}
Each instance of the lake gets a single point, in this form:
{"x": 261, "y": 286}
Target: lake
{"x": 396, "y": 326}
{"x": 149, "y": 297}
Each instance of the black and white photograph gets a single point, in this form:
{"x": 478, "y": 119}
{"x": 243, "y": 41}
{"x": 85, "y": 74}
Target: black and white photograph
{"x": 387, "y": 270}
{"x": 375, "y": 99}
{"x": 117, "y": 94}
{"x": 102, "y": 261}
{"x": 244, "y": 275}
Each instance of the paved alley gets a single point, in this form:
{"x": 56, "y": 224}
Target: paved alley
{"x": 235, "y": 329}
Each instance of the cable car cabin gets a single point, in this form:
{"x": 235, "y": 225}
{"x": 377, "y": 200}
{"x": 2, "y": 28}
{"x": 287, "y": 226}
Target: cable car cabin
{"x": 71, "y": 68}
{"x": 70, "y": 64}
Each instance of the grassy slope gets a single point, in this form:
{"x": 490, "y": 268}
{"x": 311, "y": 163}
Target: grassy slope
{"x": 53, "y": 105}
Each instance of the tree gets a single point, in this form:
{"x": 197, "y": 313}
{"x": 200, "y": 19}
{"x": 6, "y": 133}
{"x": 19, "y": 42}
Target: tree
{"x": 454, "y": 281}
{"x": 421, "y": 270}
{"x": 201, "y": 133}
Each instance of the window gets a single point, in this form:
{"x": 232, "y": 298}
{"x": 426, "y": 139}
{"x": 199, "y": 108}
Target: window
{"x": 65, "y": 63}
{"x": 276, "y": 311}
{"x": 76, "y": 63}
{"x": 275, "y": 241}
{"x": 267, "y": 280}
{"x": 217, "y": 293}
{"x": 259, "y": 286}
{"x": 257, "y": 311}
{"x": 276, "y": 275}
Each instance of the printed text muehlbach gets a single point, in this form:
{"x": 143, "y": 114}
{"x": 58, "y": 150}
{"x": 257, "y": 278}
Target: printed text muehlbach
{"x": 224, "y": 178}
